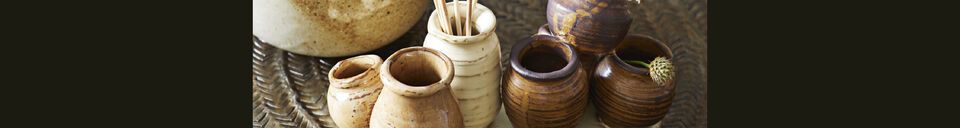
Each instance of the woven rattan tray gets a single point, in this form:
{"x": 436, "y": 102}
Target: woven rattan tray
{"x": 288, "y": 87}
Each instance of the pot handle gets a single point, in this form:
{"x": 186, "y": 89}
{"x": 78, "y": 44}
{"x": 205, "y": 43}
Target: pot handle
{"x": 544, "y": 30}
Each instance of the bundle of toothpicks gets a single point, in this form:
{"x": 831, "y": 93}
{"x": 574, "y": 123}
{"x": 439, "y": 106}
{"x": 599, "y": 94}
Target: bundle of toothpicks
{"x": 459, "y": 27}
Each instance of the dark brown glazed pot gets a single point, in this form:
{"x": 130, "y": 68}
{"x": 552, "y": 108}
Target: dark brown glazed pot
{"x": 625, "y": 94}
{"x": 546, "y": 86}
{"x": 417, "y": 92}
{"x": 592, "y": 26}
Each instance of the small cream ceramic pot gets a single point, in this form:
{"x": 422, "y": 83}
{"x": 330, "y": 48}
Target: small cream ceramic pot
{"x": 476, "y": 58}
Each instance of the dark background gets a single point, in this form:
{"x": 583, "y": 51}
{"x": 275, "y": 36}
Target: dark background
{"x": 187, "y": 64}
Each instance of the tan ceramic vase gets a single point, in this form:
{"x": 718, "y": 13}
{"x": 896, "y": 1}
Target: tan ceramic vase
{"x": 417, "y": 92}
{"x": 545, "y": 87}
{"x": 476, "y": 58}
{"x": 625, "y": 94}
{"x": 354, "y": 88}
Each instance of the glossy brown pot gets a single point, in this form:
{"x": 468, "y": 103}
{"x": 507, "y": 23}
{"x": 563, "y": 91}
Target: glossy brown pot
{"x": 625, "y": 94}
{"x": 354, "y": 88}
{"x": 545, "y": 86}
{"x": 417, "y": 81}
{"x": 592, "y": 26}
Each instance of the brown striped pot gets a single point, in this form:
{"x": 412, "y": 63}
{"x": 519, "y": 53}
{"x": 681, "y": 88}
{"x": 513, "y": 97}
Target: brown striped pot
{"x": 546, "y": 86}
{"x": 417, "y": 83}
{"x": 625, "y": 94}
{"x": 476, "y": 58}
{"x": 592, "y": 26}
{"x": 354, "y": 88}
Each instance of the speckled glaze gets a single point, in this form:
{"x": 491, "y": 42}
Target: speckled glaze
{"x": 476, "y": 59}
{"x": 333, "y": 28}
{"x": 354, "y": 88}
{"x": 592, "y": 26}
{"x": 417, "y": 83}
{"x": 545, "y": 87}
{"x": 625, "y": 95}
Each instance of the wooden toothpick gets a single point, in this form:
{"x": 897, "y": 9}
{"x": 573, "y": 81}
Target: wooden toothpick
{"x": 456, "y": 16}
{"x": 470, "y": 8}
{"x": 440, "y": 16}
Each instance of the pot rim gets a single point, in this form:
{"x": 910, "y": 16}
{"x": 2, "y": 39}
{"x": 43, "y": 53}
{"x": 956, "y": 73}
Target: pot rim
{"x": 433, "y": 26}
{"x": 416, "y": 91}
{"x": 642, "y": 37}
{"x": 523, "y": 45}
{"x": 371, "y": 59}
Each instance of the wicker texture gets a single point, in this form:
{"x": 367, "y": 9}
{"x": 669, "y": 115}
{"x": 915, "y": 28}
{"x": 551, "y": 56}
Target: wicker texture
{"x": 280, "y": 76}
{"x": 284, "y": 83}
{"x": 682, "y": 25}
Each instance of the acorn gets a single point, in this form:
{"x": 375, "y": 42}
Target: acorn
{"x": 661, "y": 70}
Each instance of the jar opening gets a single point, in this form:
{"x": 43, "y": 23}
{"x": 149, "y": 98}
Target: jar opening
{"x": 543, "y": 59}
{"x": 417, "y": 68}
{"x": 640, "y": 48}
{"x": 635, "y": 54}
{"x": 351, "y": 69}
{"x": 473, "y": 28}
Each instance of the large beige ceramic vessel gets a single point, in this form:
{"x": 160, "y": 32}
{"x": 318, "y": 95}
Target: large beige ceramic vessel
{"x": 333, "y": 28}
{"x": 417, "y": 93}
{"x": 476, "y": 58}
{"x": 354, "y": 88}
